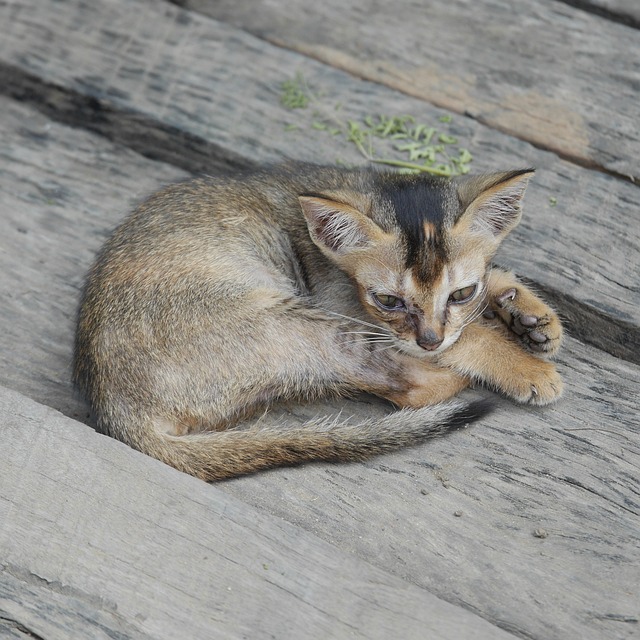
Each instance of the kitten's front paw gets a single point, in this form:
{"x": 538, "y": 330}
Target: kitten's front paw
{"x": 538, "y": 385}
{"x": 535, "y": 323}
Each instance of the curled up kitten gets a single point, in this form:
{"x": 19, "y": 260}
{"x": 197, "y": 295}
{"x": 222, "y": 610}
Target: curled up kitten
{"x": 218, "y": 297}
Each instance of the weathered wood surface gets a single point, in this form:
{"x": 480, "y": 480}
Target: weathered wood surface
{"x": 98, "y": 541}
{"x": 554, "y": 75}
{"x": 61, "y": 191}
{"x": 520, "y": 470}
{"x": 570, "y": 472}
{"x": 220, "y": 85}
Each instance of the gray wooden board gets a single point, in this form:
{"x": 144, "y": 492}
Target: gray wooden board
{"x": 216, "y": 83}
{"x": 98, "y": 541}
{"x": 519, "y": 470}
{"x": 545, "y": 71}
{"x": 569, "y": 473}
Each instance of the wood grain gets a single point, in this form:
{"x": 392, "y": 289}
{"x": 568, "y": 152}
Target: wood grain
{"x": 571, "y": 469}
{"x": 99, "y": 541}
{"x": 198, "y": 78}
{"x": 544, "y": 72}
{"x": 38, "y": 608}
{"x": 531, "y": 518}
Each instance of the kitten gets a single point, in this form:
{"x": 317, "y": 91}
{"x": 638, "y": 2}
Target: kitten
{"x": 217, "y": 297}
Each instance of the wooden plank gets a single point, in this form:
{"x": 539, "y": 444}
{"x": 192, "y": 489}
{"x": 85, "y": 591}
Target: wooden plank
{"x": 73, "y": 186}
{"x": 519, "y": 471}
{"x": 206, "y": 80}
{"x": 99, "y": 541}
{"x": 545, "y": 72}
{"x": 530, "y": 518}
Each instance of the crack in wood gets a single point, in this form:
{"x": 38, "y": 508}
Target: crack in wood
{"x": 613, "y": 335}
{"x": 596, "y": 9}
{"x": 579, "y": 485}
{"x": 95, "y": 615}
{"x": 8, "y": 622}
{"x": 573, "y": 158}
{"x": 146, "y": 136}
{"x": 31, "y": 578}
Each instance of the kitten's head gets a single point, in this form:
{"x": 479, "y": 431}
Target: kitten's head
{"x": 418, "y": 248}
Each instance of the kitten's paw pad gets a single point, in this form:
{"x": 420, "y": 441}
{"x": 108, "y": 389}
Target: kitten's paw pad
{"x": 532, "y": 320}
{"x": 542, "y": 387}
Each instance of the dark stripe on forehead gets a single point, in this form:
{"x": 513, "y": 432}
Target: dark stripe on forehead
{"x": 420, "y": 207}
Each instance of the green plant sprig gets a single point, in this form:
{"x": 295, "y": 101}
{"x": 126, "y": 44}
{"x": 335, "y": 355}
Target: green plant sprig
{"x": 420, "y": 147}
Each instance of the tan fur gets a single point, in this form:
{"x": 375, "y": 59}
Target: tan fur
{"x": 216, "y": 298}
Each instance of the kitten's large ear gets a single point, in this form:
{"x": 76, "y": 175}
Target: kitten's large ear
{"x": 337, "y": 228}
{"x": 492, "y": 204}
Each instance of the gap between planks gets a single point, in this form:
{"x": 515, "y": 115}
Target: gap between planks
{"x": 623, "y": 12}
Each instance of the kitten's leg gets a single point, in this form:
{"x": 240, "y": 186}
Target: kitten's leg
{"x": 488, "y": 352}
{"x": 278, "y": 349}
{"x": 336, "y": 357}
{"x": 356, "y": 365}
{"x": 536, "y": 324}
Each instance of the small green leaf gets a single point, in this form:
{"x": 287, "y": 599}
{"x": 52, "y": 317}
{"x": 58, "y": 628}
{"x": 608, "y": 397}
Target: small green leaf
{"x": 417, "y": 131}
{"x": 428, "y": 134}
{"x": 294, "y": 93}
{"x": 465, "y": 156}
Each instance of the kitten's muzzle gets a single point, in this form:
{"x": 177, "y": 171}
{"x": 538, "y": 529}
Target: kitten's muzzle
{"x": 429, "y": 341}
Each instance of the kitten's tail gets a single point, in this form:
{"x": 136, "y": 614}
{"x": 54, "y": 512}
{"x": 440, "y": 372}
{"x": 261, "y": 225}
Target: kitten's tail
{"x": 225, "y": 454}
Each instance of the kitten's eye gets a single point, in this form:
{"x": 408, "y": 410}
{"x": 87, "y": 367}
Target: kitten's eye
{"x": 388, "y": 302}
{"x": 462, "y": 295}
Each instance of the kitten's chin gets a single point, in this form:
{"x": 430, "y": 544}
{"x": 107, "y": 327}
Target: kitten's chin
{"x": 416, "y": 351}
{"x": 412, "y": 349}
{"x": 448, "y": 342}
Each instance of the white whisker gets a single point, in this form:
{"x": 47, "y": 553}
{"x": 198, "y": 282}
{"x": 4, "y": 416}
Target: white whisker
{"x": 391, "y": 346}
{"x": 356, "y": 320}
{"x": 387, "y": 339}
{"x": 475, "y": 314}
{"x": 367, "y": 333}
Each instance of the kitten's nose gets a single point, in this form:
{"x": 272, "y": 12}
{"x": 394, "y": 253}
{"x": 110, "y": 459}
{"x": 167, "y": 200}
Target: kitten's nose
{"x": 429, "y": 341}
